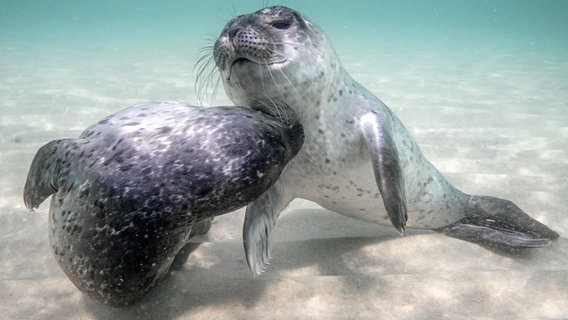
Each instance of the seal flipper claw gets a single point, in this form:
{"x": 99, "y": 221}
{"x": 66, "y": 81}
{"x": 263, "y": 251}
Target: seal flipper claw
{"x": 260, "y": 219}
{"x": 499, "y": 222}
{"x": 44, "y": 175}
{"x": 386, "y": 165}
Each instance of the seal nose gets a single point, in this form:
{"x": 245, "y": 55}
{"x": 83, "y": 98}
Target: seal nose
{"x": 233, "y": 33}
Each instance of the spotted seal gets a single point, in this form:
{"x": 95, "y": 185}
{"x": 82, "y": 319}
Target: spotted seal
{"x": 128, "y": 191}
{"x": 358, "y": 159}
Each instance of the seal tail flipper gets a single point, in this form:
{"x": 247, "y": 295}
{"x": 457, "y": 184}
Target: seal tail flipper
{"x": 43, "y": 176}
{"x": 501, "y": 223}
{"x": 386, "y": 165}
{"x": 260, "y": 220}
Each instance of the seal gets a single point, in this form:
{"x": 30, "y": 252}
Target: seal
{"x": 128, "y": 191}
{"x": 358, "y": 159}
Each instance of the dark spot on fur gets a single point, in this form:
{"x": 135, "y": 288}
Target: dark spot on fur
{"x": 125, "y": 167}
{"x": 84, "y": 194}
{"x": 164, "y": 130}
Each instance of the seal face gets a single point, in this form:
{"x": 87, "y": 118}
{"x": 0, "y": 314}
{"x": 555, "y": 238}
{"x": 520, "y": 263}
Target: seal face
{"x": 358, "y": 159}
{"x": 128, "y": 191}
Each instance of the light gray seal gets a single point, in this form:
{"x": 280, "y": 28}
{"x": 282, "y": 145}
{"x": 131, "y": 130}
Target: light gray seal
{"x": 358, "y": 159}
{"x": 128, "y": 191}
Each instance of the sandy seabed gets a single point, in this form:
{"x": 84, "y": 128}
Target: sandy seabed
{"x": 493, "y": 124}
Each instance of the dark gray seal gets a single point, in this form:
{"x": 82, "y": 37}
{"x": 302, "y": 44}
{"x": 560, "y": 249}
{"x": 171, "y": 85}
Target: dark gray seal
{"x": 128, "y": 191}
{"x": 358, "y": 159}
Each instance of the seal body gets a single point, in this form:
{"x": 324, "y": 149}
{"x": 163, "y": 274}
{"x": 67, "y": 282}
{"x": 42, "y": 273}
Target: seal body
{"x": 358, "y": 159}
{"x": 128, "y": 191}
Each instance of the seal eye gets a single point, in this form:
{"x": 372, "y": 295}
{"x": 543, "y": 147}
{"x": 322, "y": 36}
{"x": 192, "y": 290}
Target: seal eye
{"x": 281, "y": 24}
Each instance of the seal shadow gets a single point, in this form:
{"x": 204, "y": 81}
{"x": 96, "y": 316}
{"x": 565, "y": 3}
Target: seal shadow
{"x": 206, "y": 273}
{"x": 307, "y": 243}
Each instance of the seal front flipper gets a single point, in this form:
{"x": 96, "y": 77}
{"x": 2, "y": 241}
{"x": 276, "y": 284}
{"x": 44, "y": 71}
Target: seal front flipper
{"x": 260, "y": 219}
{"x": 377, "y": 132}
{"x": 44, "y": 175}
{"x": 501, "y": 223}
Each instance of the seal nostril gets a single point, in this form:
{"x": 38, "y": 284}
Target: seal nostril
{"x": 233, "y": 32}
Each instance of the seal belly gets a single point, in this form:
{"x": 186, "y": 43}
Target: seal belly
{"x": 353, "y": 192}
{"x": 337, "y": 174}
{"x": 358, "y": 159}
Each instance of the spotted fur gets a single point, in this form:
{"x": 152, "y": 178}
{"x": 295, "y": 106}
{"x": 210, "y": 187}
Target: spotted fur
{"x": 358, "y": 159}
{"x": 129, "y": 190}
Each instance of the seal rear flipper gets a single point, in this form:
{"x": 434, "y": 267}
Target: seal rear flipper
{"x": 43, "y": 176}
{"x": 260, "y": 220}
{"x": 501, "y": 223}
{"x": 378, "y": 136}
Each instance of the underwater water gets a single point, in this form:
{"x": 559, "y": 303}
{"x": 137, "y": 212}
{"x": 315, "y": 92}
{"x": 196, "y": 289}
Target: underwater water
{"x": 481, "y": 85}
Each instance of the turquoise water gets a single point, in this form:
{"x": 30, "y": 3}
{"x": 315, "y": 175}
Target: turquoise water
{"x": 481, "y": 85}
{"x": 129, "y": 40}
{"x": 520, "y": 26}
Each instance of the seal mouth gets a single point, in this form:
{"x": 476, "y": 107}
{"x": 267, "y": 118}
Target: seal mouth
{"x": 240, "y": 62}
{"x": 243, "y": 62}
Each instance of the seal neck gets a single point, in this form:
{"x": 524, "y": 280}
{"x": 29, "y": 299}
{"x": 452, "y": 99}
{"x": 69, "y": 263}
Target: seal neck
{"x": 290, "y": 126}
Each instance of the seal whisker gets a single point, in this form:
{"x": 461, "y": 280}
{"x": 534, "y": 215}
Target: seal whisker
{"x": 283, "y": 111}
{"x": 297, "y": 92}
{"x": 269, "y": 104}
{"x": 206, "y": 72}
